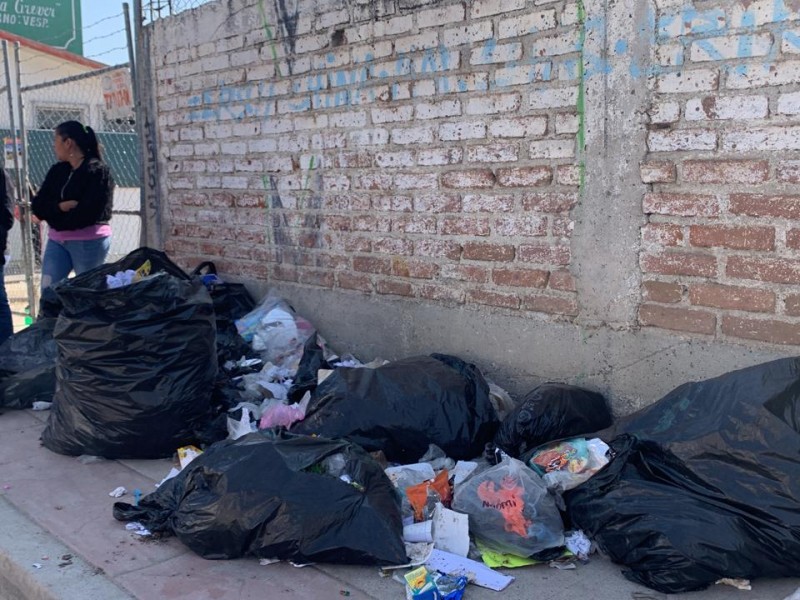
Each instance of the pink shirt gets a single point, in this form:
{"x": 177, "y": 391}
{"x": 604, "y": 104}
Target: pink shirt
{"x": 93, "y": 232}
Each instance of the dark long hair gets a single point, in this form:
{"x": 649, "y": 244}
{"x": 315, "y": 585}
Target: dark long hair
{"x": 83, "y": 136}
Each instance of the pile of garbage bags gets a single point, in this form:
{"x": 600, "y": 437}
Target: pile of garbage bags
{"x": 305, "y": 450}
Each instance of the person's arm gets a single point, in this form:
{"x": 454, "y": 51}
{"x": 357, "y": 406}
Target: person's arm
{"x": 94, "y": 197}
{"x": 45, "y": 203}
{"x": 6, "y": 203}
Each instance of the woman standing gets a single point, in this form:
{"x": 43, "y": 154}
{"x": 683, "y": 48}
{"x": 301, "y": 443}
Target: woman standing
{"x": 76, "y": 201}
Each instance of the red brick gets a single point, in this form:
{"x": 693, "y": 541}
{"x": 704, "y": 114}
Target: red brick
{"x": 554, "y": 305}
{"x": 325, "y": 260}
{"x": 524, "y": 176}
{"x": 336, "y": 223}
{"x": 437, "y": 203}
{"x": 488, "y": 251}
{"x": 395, "y": 288}
{"x": 211, "y": 248}
{"x": 697, "y": 265}
{"x": 493, "y": 299}
{"x": 438, "y": 249}
{"x": 390, "y": 245}
{"x": 725, "y": 171}
{"x": 392, "y": 203}
{"x": 682, "y": 205}
{"x": 414, "y": 224}
{"x": 765, "y": 330}
{"x": 662, "y": 234}
{"x": 660, "y": 291}
{"x": 221, "y": 200}
{"x": 376, "y": 181}
{"x": 760, "y": 205}
{"x": 550, "y": 202}
{"x": 414, "y": 268}
{"x": 526, "y": 225}
{"x": 793, "y": 238}
{"x": 529, "y": 278}
{"x": 777, "y": 270}
{"x": 792, "y": 305}
{"x": 658, "y": 172}
{"x": 569, "y": 175}
{"x": 788, "y": 171}
{"x": 464, "y": 226}
{"x": 475, "y": 178}
{"x": 357, "y": 243}
{"x": 317, "y": 278}
{"x": 309, "y": 239}
{"x": 544, "y": 254}
{"x": 355, "y": 281}
{"x": 284, "y": 272}
{"x": 442, "y": 293}
{"x": 736, "y": 238}
{"x": 562, "y": 281}
{"x": 470, "y": 273}
{"x": 346, "y": 160}
{"x": 562, "y": 227}
{"x": 732, "y": 297}
{"x": 677, "y": 319}
{"x": 371, "y": 264}
{"x": 372, "y": 223}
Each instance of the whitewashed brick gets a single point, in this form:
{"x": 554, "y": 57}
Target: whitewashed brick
{"x": 436, "y": 17}
{"x": 492, "y": 153}
{"x": 533, "y": 22}
{"x": 664, "y": 112}
{"x": 487, "y": 8}
{"x": 552, "y": 149}
{"x": 412, "y": 43}
{"x": 519, "y": 127}
{"x": 370, "y": 52}
{"x": 394, "y": 159}
{"x": 311, "y": 122}
{"x": 523, "y": 74}
{"x": 696, "y": 80}
{"x": 437, "y": 110}
{"x": 220, "y": 165}
{"x": 369, "y": 137}
{"x": 393, "y": 26}
{"x": 760, "y": 75}
{"x": 567, "y": 123}
{"x": 433, "y": 61}
{"x": 263, "y": 145}
{"x": 723, "y": 108}
{"x": 670, "y": 54}
{"x": 416, "y": 181}
{"x": 730, "y": 46}
{"x": 570, "y": 14}
{"x": 555, "y": 45}
{"x": 209, "y": 182}
{"x": 234, "y": 148}
{"x": 423, "y": 88}
{"x": 412, "y": 135}
{"x": 495, "y": 53}
{"x": 498, "y": 103}
{"x": 329, "y": 19}
{"x": 687, "y": 22}
{"x": 790, "y": 41}
{"x": 554, "y": 98}
{"x": 392, "y": 115}
{"x": 681, "y": 139}
{"x": 789, "y": 104}
{"x": 462, "y": 131}
{"x": 439, "y": 156}
{"x": 765, "y": 138}
{"x": 245, "y": 58}
{"x": 472, "y": 82}
{"x": 248, "y": 165}
{"x": 349, "y": 119}
{"x": 311, "y": 43}
{"x": 468, "y": 34}
{"x": 762, "y": 12}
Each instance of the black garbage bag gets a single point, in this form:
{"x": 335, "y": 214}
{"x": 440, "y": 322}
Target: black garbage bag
{"x": 21, "y": 390}
{"x": 705, "y": 484}
{"x": 305, "y": 380}
{"x": 404, "y": 406}
{"x": 279, "y": 497}
{"x": 32, "y": 347}
{"x": 549, "y": 412}
{"x": 135, "y": 367}
{"x": 50, "y": 304}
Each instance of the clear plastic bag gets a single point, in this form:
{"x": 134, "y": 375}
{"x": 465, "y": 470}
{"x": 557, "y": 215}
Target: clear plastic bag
{"x": 510, "y": 510}
{"x": 567, "y": 464}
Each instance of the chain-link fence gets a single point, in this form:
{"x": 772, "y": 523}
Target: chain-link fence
{"x": 42, "y": 88}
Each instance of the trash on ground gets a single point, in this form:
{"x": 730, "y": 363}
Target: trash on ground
{"x": 118, "y": 492}
{"x": 293, "y": 509}
{"x": 577, "y": 543}
{"x": 187, "y": 454}
{"x": 567, "y": 464}
{"x": 404, "y": 406}
{"x": 39, "y": 405}
{"x": 549, "y": 412}
{"x": 739, "y": 584}
{"x": 138, "y": 529}
{"x": 37, "y": 565}
{"x": 475, "y": 572}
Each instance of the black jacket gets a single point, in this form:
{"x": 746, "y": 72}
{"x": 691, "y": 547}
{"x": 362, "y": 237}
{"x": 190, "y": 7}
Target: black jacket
{"x": 6, "y": 214}
{"x": 91, "y": 184}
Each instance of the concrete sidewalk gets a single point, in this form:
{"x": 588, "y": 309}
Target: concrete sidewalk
{"x": 55, "y": 511}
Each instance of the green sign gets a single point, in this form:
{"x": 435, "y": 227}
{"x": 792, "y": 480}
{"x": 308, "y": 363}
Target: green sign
{"x": 56, "y": 23}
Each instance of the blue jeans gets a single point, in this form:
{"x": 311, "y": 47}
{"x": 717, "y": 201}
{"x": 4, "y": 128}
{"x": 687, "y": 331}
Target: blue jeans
{"x": 6, "y": 326}
{"x": 60, "y": 258}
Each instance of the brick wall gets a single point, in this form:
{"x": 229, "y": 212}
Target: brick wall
{"x": 720, "y": 248}
{"x": 437, "y": 151}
